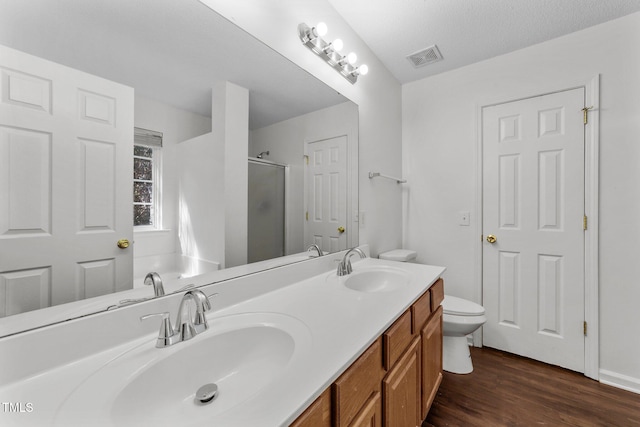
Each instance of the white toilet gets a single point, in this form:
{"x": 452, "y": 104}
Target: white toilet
{"x": 460, "y": 318}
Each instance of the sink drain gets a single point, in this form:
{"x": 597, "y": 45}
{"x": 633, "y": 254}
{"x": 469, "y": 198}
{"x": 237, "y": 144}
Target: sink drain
{"x": 206, "y": 393}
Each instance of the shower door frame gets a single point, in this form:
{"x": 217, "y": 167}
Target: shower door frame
{"x": 286, "y": 195}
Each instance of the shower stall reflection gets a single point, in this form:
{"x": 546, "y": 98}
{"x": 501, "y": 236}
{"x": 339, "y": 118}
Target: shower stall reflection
{"x": 266, "y": 210}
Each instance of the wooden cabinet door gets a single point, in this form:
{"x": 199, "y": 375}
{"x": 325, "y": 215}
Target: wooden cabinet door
{"x": 354, "y": 387}
{"x": 401, "y": 390}
{"x": 318, "y": 414}
{"x": 431, "y": 340}
{"x": 371, "y": 413}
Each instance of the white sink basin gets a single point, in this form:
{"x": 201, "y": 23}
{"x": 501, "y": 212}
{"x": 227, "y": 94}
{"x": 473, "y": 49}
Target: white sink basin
{"x": 374, "y": 279}
{"x": 147, "y": 386}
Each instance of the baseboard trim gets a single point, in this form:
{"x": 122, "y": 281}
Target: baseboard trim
{"x": 620, "y": 381}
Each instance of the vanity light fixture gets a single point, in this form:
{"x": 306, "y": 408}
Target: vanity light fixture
{"x": 329, "y": 51}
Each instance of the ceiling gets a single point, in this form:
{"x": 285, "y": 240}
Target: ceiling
{"x": 467, "y": 31}
{"x": 168, "y": 50}
{"x": 176, "y": 60}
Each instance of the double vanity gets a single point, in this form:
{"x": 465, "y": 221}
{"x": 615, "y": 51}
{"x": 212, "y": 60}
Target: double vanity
{"x": 304, "y": 344}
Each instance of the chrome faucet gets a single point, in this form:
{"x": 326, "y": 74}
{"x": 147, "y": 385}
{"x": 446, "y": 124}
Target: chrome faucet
{"x": 316, "y": 248}
{"x": 344, "y": 266}
{"x": 154, "y": 279}
{"x": 188, "y": 325}
{"x": 191, "y": 325}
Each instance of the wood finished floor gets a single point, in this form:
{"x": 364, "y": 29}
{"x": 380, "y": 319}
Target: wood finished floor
{"x": 508, "y": 390}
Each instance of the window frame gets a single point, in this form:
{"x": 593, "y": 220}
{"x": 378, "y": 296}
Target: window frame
{"x": 142, "y": 139}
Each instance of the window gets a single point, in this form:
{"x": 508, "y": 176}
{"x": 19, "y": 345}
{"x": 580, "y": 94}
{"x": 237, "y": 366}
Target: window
{"x": 147, "y": 148}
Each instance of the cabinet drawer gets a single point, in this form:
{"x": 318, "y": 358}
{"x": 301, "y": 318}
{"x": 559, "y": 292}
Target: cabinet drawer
{"x": 437, "y": 294}
{"x": 357, "y": 384}
{"x": 420, "y": 311}
{"x": 396, "y": 339}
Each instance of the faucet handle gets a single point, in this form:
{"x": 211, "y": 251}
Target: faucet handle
{"x": 166, "y": 333}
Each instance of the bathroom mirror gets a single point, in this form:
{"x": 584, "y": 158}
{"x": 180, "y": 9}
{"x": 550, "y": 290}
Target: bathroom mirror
{"x": 171, "y": 53}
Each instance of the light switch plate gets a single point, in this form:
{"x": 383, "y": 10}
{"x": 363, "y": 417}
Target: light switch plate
{"x": 464, "y": 218}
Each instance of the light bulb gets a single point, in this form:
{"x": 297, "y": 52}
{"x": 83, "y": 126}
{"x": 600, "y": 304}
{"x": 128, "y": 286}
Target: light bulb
{"x": 364, "y": 69}
{"x": 352, "y": 58}
{"x": 321, "y": 29}
{"x": 333, "y": 47}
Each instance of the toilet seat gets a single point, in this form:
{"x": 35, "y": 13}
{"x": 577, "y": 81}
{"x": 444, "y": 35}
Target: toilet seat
{"x": 461, "y": 307}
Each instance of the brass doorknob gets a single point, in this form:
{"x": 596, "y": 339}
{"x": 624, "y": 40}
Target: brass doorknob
{"x": 341, "y": 229}
{"x": 491, "y": 238}
{"x": 123, "y": 243}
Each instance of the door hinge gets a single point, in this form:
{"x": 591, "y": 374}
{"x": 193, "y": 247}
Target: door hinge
{"x": 584, "y": 222}
{"x": 585, "y": 116}
{"x": 306, "y": 215}
{"x": 584, "y": 328}
{"x": 306, "y": 159}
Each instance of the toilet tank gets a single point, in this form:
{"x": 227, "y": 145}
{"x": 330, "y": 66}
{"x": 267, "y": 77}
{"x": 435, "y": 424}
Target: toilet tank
{"x": 402, "y": 255}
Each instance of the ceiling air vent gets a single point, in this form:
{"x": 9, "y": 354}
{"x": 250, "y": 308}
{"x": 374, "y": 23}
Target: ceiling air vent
{"x": 425, "y": 56}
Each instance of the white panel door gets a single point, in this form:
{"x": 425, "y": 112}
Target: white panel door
{"x": 533, "y": 203}
{"x": 66, "y": 159}
{"x": 326, "y": 224}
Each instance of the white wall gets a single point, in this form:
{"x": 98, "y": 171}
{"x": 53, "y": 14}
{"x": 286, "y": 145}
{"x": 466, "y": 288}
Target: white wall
{"x": 201, "y": 225}
{"x": 439, "y": 126}
{"x": 231, "y": 114}
{"x": 212, "y": 211}
{"x": 285, "y": 142}
{"x": 378, "y": 95}
{"x": 176, "y": 125}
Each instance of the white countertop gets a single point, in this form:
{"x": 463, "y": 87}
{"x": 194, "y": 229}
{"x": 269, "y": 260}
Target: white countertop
{"x": 342, "y": 324}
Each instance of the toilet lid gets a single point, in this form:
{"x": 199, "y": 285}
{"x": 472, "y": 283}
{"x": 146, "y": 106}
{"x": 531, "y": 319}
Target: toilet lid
{"x": 461, "y": 307}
